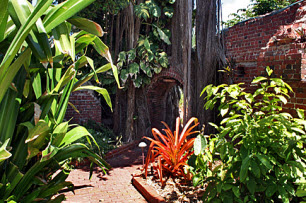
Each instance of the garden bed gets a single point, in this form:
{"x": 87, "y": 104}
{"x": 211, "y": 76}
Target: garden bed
{"x": 175, "y": 190}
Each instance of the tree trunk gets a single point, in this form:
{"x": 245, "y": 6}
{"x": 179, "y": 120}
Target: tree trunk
{"x": 181, "y": 45}
{"x": 129, "y": 127}
{"x": 208, "y": 54}
{"x": 143, "y": 121}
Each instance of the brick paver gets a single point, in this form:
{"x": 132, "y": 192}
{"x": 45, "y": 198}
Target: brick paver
{"x": 114, "y": 187}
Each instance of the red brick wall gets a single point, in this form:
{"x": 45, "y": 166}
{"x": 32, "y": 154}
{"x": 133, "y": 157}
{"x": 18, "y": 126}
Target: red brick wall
{"x": 271, "y": 40}
{"x": 87, "y": 104}
{"x": 157, "y": 93}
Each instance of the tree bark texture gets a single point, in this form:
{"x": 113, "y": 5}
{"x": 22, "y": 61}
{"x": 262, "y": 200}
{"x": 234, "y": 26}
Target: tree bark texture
{"x": 181, "y": 29}
{"x": 208, "y": 55}
{"x": 135, "y": 122}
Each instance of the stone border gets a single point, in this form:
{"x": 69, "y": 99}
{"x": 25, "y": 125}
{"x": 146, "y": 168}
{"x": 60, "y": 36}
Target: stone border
{"x": 148, "y": 192}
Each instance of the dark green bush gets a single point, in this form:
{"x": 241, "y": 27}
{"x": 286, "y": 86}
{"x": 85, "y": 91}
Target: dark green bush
{"x": 258, "y": 153}
{"x": 104, "y": 137}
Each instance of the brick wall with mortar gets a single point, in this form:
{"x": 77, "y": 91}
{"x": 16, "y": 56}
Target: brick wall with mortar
{"x": 157, "y": 93}
{"x": 271, "y": 40}
{"x": 87, "y": 104}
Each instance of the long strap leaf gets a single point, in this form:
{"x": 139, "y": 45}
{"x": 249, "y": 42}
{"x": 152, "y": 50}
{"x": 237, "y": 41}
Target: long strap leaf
{"x": 63, "y": 11}
{"x": 3, "y": 18}
{"x": 19, "y": 39}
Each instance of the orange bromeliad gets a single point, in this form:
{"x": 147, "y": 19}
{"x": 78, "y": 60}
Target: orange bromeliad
{"x": 171, "y": 151}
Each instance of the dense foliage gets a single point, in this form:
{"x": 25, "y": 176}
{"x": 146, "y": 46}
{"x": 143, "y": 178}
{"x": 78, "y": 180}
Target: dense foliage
{"x": 256, "y": 8}
{"x": 259, "y": 152}
{"x": 170, "y": 151}
{"x": 148, "y": 57}
{"x": 40, "y": 62}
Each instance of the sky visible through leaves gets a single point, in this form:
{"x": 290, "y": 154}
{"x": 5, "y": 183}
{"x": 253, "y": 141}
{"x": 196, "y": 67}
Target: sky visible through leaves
{"x": 231, "y": 6}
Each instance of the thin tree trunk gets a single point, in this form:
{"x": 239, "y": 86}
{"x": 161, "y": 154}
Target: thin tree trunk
{"x": 117, "y": 37}
{"x": 181, "y": 45}
{"x": 111, "y": 31}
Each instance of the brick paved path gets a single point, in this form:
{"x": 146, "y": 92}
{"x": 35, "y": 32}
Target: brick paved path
{"x": 114, "y": 187}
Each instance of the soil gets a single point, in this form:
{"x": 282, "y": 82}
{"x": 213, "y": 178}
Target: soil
{"x": 177, "y": 190}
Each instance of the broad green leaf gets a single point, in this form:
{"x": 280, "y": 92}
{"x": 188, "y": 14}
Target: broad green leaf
{"x": 269, "y": 71}
{"x": 146, "y": 69}
{"x": 138, "y": 81}
{"x": 200, "y": 145}
{"x": 59, "y": 133}
{"x": 271, "y": 189}
{"x": 19, "y": 39}
{"x": 87, "y": 25}
{"x": 131, "y": 54}
{"x": 133, "y": 69}
{"x": 37, "y": 39}
{"x": 196, "y": 180}
{"x": 163, "y": 36}
{"x": 264, "y": 160}
{"x": 163, "y": 60}
{"x": 282, "y": 98}
{"x": 157, "y": 70}
{"x": 124, "y": 75}
{"x": 88, "y": 76}
{"x": 64, "y": 11}
{"x": 251, "y": 185}
{"x": 37, "y": 85}
{"x": 236, "y": 191}
{"x": 224, "y": 110}
{"x": 244, "y": 169}
{"x": 14, "y": 176}
{"x": 4, "y": 154}
{"x": 168, "y": 11}
{"x": 75, "y": 134}
{"x": 122, "y": 57}
{"x": 283, "y": 193}
{"x": 259, "y": 79}
{"x": 62, "y": 39}
{"x": 37, "y": 138}
{"x": 10, "y": 74}
{"x": 3, "y": 18}
{"x": 66, "y": 78}
{"x": 300, "y": 113}
{"x": 147, "y": 44}
{"x": 255, "y": 168}
{"x": 100, "y": 90}
{"x": 301, "y": 192}
{"x": 278, "y": 81}
{"x": 49, "y": 152}
{"x": 154, "y": 9}
{"x": 141, "y": 11}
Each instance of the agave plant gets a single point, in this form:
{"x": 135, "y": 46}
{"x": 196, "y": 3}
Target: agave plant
{"x": 171, "y": 151}
{"x": 39, "y": 62}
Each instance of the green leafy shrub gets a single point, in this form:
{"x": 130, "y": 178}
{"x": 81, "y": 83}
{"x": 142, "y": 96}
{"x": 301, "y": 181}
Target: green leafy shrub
{"x": 258, "y": 153}
{"x": 105, "y": 138}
